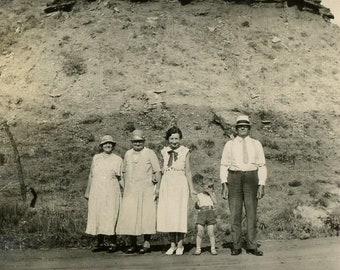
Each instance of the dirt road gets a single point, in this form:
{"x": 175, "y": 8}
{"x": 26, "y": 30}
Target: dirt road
{"x": 294, "y": 254}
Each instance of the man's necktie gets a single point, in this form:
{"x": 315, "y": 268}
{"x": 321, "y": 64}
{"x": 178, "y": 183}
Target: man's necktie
{"x": 245, "y": 152}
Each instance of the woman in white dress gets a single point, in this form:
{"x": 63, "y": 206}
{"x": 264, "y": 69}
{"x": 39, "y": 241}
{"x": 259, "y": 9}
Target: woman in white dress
{"x": 103, "y": 194}
{"x": 174, "y": 189}
{"x": 141, "y": 171}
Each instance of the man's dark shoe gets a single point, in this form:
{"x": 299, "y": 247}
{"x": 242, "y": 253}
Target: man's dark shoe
{"x": 184, "y": 2}
{"x": 133, "y": 249}
{"x": 255, "y": 252}
{"x": 100, "y": 248}
{"x": 144, "y": 250}
{"x": 235, "y": 252}
{"x": 112, "y": 248}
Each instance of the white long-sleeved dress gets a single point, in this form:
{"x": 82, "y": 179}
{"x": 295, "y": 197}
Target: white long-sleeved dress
{"x": 104, "y": 194}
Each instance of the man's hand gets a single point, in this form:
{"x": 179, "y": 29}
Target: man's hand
{"x": 260, "y": 192}
{"x": 225, "y": 191}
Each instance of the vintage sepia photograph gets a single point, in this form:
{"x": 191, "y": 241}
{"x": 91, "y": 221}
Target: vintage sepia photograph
{"x": 170, "y": 134}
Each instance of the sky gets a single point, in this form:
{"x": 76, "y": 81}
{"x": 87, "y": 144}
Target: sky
{"x": 334, "y": 5}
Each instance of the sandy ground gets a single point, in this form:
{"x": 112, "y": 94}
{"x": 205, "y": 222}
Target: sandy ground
{"x": 292, "y": 254}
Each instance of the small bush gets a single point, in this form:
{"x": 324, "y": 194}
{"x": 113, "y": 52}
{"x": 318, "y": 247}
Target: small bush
{"x": 11, "y": 214}
{"x": 2, "y": 159}
{"x": 333, "y": 222}
{"x": 209, "y": 170}
{"x": 74, "y": 65}
{"x": 270, "y": 143}
{"x": 197, "y": 178}
{"x": 89, "y": 137}
{"x": 93, "y": 118}
{"x": 322, "y": 202}
{"x": 327, "y": 195}
{"x": 285, "y": 157}
{"x": 208, "y": 144}
{"x": 295, "y": 183}
{"x": 129, "y": 126}
{"x": 193, "y": 147}
{"x": 210, "y": 152}
{"x": 313, "y": 193}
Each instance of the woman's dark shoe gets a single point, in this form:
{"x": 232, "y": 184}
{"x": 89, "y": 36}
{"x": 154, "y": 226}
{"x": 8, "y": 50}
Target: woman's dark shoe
{"x": 99, "y": 248}
{"x": 235, "y": 252}
{"x": 185, "y": 2}
{"x": 131, "y": 250}
{"x": 112, "y": 248}
{"x": 144, "y": 250}
{"x": 255, "y": 252}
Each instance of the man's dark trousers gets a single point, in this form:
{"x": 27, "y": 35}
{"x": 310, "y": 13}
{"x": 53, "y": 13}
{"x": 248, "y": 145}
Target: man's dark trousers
{"x": 242, "y": 188}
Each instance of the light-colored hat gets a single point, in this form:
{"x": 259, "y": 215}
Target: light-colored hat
{"x": 242, "y": 120}
{"x": 137, "y": 135}
{"x": 106, "y": 139}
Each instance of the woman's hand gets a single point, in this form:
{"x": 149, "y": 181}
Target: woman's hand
{"x": 193, "y": 192}
{"x": 154, "y": 181}
{"x": 156, "y": 194}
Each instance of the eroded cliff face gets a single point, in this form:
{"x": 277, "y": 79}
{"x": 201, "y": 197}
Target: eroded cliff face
{"x": 107, "y": 67}
{"x": 314, "y": 6}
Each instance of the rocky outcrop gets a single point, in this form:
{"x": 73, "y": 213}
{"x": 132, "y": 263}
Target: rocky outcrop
{"x": 313, "y": 6}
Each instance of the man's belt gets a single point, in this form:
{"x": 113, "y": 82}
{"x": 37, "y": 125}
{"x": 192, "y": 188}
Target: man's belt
{"x": 207, "y": 207}
{"x": 241, "y": 172}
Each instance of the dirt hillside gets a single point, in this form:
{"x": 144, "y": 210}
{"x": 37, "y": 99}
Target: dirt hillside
{"x": 107, "y": 67}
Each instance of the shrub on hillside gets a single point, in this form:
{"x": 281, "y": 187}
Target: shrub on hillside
{"x": 332, "y": 221}
{"x": 74, "y": 65}
{"x": 92, "y": 118}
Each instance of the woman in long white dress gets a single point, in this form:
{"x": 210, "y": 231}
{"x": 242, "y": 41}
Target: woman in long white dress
{"x": 141, "y": 171}
{"x": 174, "y": 189}
{"x": 104, "y": 196}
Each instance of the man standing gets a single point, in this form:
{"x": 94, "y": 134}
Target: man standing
{"x": 243, "y": 174}
{"x": 141, "y": 171}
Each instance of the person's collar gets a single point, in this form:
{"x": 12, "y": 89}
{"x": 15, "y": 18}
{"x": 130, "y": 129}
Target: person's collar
{"x": 138, "y": 151}
{"x": 241, "y": 139}
{"x": 168, "y": 148}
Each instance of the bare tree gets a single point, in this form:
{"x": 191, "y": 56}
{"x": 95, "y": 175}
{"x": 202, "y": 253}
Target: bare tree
{"x": 17, "y": 159}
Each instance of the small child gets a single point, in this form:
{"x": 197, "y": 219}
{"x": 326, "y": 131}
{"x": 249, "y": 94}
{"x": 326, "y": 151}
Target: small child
{"x": 206, "y": 215}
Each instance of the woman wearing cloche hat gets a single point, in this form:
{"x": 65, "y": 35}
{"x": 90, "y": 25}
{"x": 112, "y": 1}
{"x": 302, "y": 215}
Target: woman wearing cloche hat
{"x": 103, "y": 194}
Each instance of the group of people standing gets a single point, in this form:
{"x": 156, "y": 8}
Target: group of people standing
{"x": 155, "y": 198}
